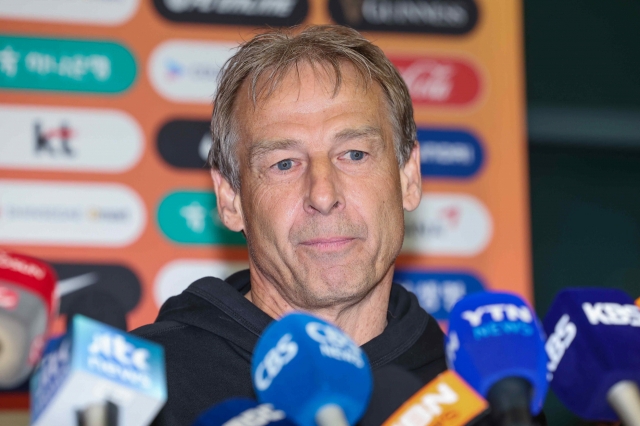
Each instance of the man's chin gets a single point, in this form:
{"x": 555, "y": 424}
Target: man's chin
{"x": 331, "y": 291}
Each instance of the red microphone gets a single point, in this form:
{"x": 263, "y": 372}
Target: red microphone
{"x": 27, "y": 307}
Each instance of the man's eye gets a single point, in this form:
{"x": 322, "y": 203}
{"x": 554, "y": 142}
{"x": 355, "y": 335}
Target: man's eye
{"x": 284, "y": 164}
{"x": 356, "y": 155}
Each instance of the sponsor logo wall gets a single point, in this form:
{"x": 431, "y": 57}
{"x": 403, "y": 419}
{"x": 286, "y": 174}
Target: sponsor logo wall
{"x": 104, "y": 111}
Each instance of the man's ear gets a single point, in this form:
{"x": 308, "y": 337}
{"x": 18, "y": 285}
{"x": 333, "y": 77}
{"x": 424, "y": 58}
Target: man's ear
{"x": 228, "y": 202}
{"x": 411, "y": 180}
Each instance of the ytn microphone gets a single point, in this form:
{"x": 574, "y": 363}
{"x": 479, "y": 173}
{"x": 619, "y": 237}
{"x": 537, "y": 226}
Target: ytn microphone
{"x": 242, "y": 412}
{"x": 312, "y": 370}
{"x": 496, "y": 345}
{"x": 98, "y": 375}
{"x": 445, "y": 401}
{"x": 27, "y": 306}
{"x": 594, "y": 353}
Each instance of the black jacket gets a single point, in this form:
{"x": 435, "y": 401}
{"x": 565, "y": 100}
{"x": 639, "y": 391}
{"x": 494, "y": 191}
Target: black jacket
{"x": 209, "y": 332}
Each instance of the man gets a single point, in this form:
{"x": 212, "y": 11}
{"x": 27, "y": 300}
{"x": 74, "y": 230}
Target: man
{"x": 315, "y": 160}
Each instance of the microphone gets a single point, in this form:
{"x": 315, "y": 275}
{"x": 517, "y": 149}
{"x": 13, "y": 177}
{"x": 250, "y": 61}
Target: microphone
{"x": 96, "y": 375}
{"x": 594, "y": 353}
{"x": 445, "y": 401}
{"x": 242, "y": 412}
{"x": 496, "y": 345}
{"x": 312, "y": 370}
{"x": 27, "y": 307}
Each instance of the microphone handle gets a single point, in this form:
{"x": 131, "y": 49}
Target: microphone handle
{"x": 624, "y": 398}
{"x": 509, "y": 400}
{"x": 99, "y": 414}
{"x": 331, "y": 415}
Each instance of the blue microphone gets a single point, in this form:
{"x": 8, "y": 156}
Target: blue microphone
{"x": 594, "y": 353}
{"x": 312, "y": 370}
{"x": 242, "y": 412}
{"x": 496, "y": 344}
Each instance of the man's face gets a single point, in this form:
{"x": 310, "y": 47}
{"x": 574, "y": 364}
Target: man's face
{"x": 322, "y": 195}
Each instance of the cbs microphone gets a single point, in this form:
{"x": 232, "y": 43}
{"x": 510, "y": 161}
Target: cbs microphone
{"x": 496, "y": 345}
{"x": 96, "y": 375}
{"x": 312, "y": 371}
{"x": 242, "y": 412}
{"x": 594, "y": 354}
{"x": 27, "y": 307}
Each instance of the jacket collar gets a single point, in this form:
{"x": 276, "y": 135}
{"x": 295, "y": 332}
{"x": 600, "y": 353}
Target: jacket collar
{"x": 221, "y": 308}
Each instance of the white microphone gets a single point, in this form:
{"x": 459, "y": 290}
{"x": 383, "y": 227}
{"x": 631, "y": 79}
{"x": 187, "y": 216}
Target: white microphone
{"x": 96, "y": 375}
{"x": 27, "y": 306}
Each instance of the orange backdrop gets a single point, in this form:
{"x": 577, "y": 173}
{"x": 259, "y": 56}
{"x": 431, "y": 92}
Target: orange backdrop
{"x": 468, "y": 85}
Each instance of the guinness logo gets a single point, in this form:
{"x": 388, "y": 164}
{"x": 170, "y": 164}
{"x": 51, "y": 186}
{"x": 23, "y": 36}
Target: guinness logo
{"x": 413, "y": 16}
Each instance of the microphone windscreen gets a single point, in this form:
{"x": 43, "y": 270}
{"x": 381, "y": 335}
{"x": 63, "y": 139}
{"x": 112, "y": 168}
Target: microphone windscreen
{"x": 92, "y": 366}
{"x": 27, "y": 307}
{"x": 303, "y": 363}
{"x": 445, "y": 401}
{"x": 242, "y": 412}
{"x": 30, "y": 274}
{"x": 594, "y": 342}
{"x": 494, "y": 336}
{"x": 392, "y": 387}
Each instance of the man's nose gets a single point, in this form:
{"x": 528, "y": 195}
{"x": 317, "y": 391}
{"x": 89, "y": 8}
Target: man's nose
{"x": 324, "y": 191}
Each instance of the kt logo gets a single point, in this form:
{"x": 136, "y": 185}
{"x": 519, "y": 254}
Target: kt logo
{"x": 45, "y": 139}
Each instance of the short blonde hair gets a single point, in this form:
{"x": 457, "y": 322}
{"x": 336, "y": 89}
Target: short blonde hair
{"x": 269, "y": 56}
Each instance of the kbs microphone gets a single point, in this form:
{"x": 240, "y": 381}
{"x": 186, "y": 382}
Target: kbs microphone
{"x": 96, "y": 375}
{"x": 445, "y": 401}
{"x": 495, "y": 344}
{"x": 594, "y": 353}
{"x": 27, "y": 306}
{"x": 312, "y": 370}
{"x": 242, "y": 412}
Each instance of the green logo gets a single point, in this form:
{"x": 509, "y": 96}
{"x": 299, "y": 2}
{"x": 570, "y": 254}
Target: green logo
{"x": 191, "y": 217}
{"x": 67, "y": 65}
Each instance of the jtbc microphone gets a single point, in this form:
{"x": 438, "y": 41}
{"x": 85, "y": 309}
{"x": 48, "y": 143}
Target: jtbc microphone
{"x": 242, "y": 412}
{"x": 96, "y": 375}
{"x": 495, "y": 343}
{"x": 27, "y": 305}
{"x": 311, "y": 370}
{"x": 594, "y": 353}
{"x": 445, "y": 401}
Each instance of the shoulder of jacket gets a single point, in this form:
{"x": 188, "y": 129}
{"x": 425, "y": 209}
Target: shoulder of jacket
{"x": 158, "y": 328}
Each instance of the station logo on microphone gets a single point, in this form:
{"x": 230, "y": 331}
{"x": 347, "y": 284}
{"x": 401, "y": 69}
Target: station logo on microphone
{"x": 94, "y": 363}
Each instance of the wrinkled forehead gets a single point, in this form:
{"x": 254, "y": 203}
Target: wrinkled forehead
{"x": 307, "y": 95}
{"x": 262, "y": 85}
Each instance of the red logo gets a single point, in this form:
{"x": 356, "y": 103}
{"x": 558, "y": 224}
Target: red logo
{"x": 8, "y": 298}
{"x": 439, "y": 81}
{"x": 451, "y": 214}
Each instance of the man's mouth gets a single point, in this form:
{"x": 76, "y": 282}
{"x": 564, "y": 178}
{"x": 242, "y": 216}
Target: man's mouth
{"x": 328, "y": 243}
